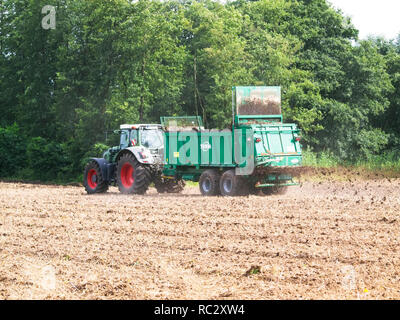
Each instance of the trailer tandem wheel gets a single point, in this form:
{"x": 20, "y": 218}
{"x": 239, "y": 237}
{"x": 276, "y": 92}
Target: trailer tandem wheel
{"x": 232, "y": 185}
{"x": 209, "y": 182}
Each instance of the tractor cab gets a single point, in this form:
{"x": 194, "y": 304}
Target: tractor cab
{"x": 147, "y": 135}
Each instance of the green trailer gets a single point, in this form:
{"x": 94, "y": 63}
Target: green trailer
{"x": 258, "y": 152}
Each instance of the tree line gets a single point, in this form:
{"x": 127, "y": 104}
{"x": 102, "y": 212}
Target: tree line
{"x": 109, "y": 62}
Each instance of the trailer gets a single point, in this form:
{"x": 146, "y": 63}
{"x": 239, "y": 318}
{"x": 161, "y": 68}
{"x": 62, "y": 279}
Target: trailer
{"x": 258, "y": 151}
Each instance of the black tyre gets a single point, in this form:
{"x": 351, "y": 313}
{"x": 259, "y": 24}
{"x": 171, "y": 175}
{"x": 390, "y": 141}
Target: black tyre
{"x": 169, "y": 185}
{"x": 233, "y": 185}
{"x": 209, "y": 183}
{"x": 274, "y": 190}
{"x": 132, "y": 176}
{"x": 93, "y": 179}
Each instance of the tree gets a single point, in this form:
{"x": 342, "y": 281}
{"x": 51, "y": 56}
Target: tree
{"x": 110, "y": 62}
{"x": 150, "y": 76}
{"x": 216, "y": 61}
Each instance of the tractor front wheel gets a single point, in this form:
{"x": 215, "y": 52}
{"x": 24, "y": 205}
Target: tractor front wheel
{"x": 132, "y": 176}
{"x": 93, "y": 179}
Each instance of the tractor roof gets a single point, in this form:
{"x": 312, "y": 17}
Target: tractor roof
{"x": 142, "y": 125}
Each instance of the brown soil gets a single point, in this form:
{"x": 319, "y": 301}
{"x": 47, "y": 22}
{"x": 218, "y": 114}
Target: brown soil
{"x": 350, "y": 174}
{"x": 259, "y": 107}
{"x": 323, "y": 240}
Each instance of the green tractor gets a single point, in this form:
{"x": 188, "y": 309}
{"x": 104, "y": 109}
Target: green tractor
{"x": 133, "y": 165}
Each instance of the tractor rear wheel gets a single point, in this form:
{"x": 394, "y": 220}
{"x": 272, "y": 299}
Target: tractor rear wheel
{"x": 169, "y": 185}
{"x": 132, "y": 176}
{"x": 209, "y": 183}
{"x": 93, "y": 179}
{"x": 233, "y": 185}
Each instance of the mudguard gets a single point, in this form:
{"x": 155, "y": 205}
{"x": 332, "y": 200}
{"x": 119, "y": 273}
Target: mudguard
{"x": 107, "y": 169}
{"x": 142, "y": 154}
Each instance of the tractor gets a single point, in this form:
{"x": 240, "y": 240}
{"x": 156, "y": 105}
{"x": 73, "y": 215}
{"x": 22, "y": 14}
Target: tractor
{"x": 132, "y": 165}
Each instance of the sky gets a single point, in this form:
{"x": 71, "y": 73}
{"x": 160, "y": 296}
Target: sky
{"x": 372, "y": 17}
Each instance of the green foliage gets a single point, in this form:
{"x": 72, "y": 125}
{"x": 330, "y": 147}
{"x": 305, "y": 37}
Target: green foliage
{"x": 389, "y": 160}
{"x": 47, "y": 160}
{"x": 322, "y": 159}
{"x": 370, "y": 142}
{"x": 12, "y": 151}
{"x": 96, "y": 151}
{"x": 110, "y": 62}
{"x": 216, "y": 60}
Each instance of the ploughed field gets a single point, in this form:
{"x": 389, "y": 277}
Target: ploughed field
{"x": 328, "y": 239}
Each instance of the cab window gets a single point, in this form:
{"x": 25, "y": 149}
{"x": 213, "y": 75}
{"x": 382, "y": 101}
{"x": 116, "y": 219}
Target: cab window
{"x": 124, "y": 142}
{"x": 151, "y": 138}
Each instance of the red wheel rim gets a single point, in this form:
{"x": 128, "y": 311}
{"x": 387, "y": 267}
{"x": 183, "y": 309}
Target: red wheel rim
{"x": 127, "y": 178}
{"x": 92, "y": 178}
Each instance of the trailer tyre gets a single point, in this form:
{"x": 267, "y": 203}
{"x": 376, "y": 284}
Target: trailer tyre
{"x": 132, "y": 176}
{"x": 232, "y": 185}
{"x": 93, "y": 179}
{"x": 209, "y": 183}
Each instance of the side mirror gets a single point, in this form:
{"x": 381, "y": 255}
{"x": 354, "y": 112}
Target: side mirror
{"x": 117, "y": 131}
